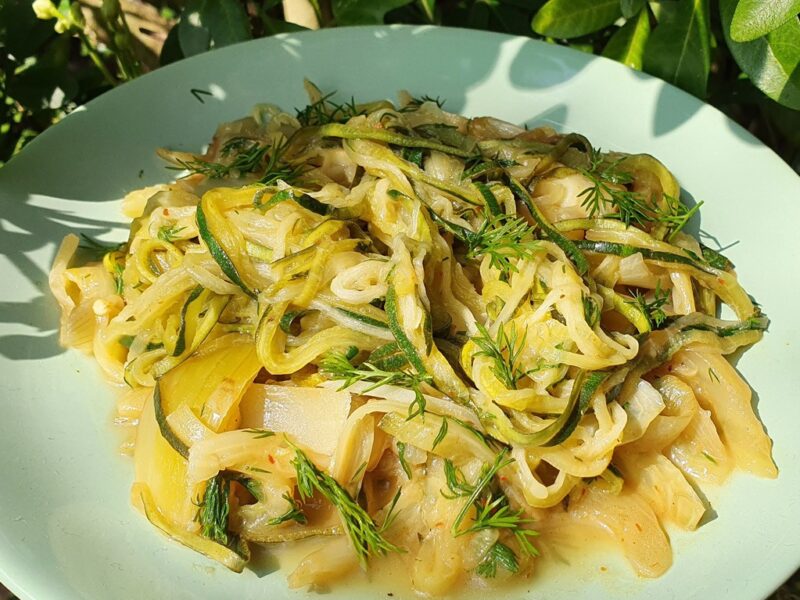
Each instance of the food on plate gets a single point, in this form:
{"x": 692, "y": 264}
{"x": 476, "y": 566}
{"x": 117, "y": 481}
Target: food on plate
{"x": 400, "y": 334}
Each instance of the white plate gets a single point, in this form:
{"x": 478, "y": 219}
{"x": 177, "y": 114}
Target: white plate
{"x": 67, "y": 529}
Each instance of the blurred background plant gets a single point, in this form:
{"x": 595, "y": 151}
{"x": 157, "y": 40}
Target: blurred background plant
{"x": 742, "y": 56}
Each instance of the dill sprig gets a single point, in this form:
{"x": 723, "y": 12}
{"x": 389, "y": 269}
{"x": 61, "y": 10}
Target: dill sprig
{"x": 498, "y": 554}
{"x": 260, "y": 433}
{"x": 249, "y": 155}
{"x": 366, "y": 537}
{"x": 169, "y": 233}
{"x": 95, "y": 250}
{"x": 482, "y": 485}
{"x": 401, "y": 456}
{"x": 416, "y": 102}
{"x": 213, "y": 509}
{"x": 652, "y": 309}
{"x": 606, "y": 179}
{"x": 492, "y": 510}
{"x": 277, "y": 169}
{"x": 325, "y": 111}
{"x": 336, "y": 365}
{"x": 441, "y": 434}
{"x": 502, "y": 238}
{"x": 676, "y": 215}
{"x": 456, "y": 482}
{"x": 294, "y": 513}
{"x": 504, "y": 350}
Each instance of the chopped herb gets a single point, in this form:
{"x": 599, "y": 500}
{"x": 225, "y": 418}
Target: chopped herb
{"x": 325, "y": 111}
{"x": 504, "y": 350}
{"x": 365, "y": 536}
{"x": 605, "y": 179}
{"x": 294, "y": 513}
{"x": 401, "y": 455}
{"x": 712, "y": 374}
{"x": 336, "y": 366}
{"x": 416, "y": 102}
{"x": 260, "y": 433}
{"x": 169, "y": 233}
{"x": 213, "y": 510}
{"x": 676, "y": 215}
{"x": 456, "y": 481}
{"x": 247, "y": 160}
{"x": 119, "y": 283}
{"x": 390, "y": 514}
{"x": 709, "y": 457}
{"x": 358, "y": 472}
{"x": 258, "y": 470}
{"x": 441, "y": 435}
{"x": 492, "y": 508}
{"x": 652, "y": 309}
{"x": 502, "y": 238}
{"x": 498, "y": 554}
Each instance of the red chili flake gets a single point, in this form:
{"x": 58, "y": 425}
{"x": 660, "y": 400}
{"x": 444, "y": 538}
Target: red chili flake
{"x": 271, "y": 459}
{"x": 166, "y": 212}
{"x": 639, "y": 527}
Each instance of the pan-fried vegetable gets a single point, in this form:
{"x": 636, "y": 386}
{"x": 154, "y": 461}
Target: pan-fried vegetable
{"x": 417, "y": 337}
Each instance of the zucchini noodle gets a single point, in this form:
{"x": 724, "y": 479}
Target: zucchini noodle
{"x": 416, "y": 337}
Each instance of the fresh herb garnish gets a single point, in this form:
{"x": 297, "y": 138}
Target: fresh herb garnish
{"x": 676, "y": 215}
{"x": 248, "y": 158}
{"x": 294, "y": 513}
{"x": 213, "y": 510}
{"x": 441, "y": 435}
{"x": 416, "y": 102}
{"x": 336, "y": 366}
{"x": 498, "y": 555}
{"x": 457, "y": 483}
{"x": 652, "y": 309}
{"x": 366, "y": 537}
{"x": 325, "y": 111}
{"x": 401, "y": 456}
{"x": 259, "y": 433}
{"x": 492, "y": 508}
{"x": 606, "y": 180}
{"x": 504, "y": 350}
{"x": 169, "y": 233}
{"x": 502, "y": 238}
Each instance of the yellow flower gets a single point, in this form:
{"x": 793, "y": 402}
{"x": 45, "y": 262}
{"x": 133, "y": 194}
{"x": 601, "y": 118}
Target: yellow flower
{"x": 45, "y": 9}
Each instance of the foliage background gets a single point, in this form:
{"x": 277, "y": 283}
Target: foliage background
{"x": 740, "y": 55}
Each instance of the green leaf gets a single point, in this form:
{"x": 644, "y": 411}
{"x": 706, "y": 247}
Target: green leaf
{"x": 753, "y": 19}
{"x": 630, "y": 7}
{"x": 207, "y": 24}
{"x": 171, "y": 49}
{"x": 273, "y": 26}
{"x": 679, "y": 49}
{"x": 429, "y": 9}
{"x": 772, "y": 61}
{"x": 42, "y": 86}
{"x": 628, "y": 43}
{"x": 359, "y": 12}
{"x": 573, "y": 18}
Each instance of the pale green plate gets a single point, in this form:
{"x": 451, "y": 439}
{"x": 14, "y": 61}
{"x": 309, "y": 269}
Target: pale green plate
{"x": 66, "y": 527}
